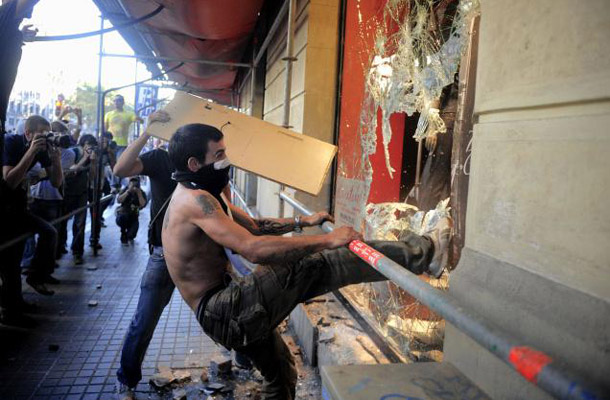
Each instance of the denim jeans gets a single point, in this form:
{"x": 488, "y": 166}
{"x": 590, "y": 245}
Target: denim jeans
{"x": 14, "y": 225}
{"x": 71, "y": 203}
{"x": 243, "y": 316}
{"x": 48, "y": 210}
{"x": 156, "y": 290}
{"x": 129, "y": 224}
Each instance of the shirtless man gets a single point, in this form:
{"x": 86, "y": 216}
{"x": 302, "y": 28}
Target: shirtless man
{"x": 243, "y": 314}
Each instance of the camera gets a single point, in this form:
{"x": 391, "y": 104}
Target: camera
{"x": 58, "y": 140}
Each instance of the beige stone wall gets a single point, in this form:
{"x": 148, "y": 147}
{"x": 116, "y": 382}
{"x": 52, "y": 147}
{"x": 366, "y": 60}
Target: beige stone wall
{"x": 313, "y": 90}
{"x": 540, "y": 168}
{"x": 539, "y": 186}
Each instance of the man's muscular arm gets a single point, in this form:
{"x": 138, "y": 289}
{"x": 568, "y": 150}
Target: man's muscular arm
{"x": 208, "y": 215}
{"x": 275, "y": 226}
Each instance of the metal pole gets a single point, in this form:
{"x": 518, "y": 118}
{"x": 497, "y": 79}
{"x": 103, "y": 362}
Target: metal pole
{"x": 95, "y": 217}
{"x": 184, "y": 60}
{"x": 252, "y": 88}
{"x": 289, "y": 58}
{"x": 99, "y": 74}
{"x": 274, "y": 27}
{"x": 552, "y": 376}
{"x": 18, "y": 239}
{"x": 241, "y": 199}
{"x": 135, "y": 95}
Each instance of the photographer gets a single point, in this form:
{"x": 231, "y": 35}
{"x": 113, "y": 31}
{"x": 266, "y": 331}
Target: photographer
{"x": 76, "y": 188}
{"x": 21, "y": 152}
{"x": 64, "y": 117}
{"x": 132, "y": 200}
{"x": 47, "y": 200}
{"x": 106, "y": 151}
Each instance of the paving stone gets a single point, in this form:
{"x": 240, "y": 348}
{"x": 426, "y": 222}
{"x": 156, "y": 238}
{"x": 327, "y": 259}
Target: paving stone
{"x": 90, "y": 339}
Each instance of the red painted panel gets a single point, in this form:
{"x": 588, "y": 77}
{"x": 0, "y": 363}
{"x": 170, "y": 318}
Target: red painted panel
{"x": 358, "y": 51}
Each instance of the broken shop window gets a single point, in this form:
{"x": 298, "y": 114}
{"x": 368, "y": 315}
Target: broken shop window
{"x": 410, "y": 53}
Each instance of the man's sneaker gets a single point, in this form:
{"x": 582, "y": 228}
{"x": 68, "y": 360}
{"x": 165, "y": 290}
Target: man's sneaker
{"x": 38, "y": 285}
{"x": 440, "y": 236}
{"x": 124, "y": 392}
{"x": 78, "y": 259}
{"x": 16, "y": 319}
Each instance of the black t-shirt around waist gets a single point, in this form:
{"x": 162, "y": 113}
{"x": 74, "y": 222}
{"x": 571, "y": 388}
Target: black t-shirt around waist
{"x": 158, "y": 167}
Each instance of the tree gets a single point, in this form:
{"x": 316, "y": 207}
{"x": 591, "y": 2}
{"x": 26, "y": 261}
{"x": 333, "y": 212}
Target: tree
{"x": 85, "y": 97}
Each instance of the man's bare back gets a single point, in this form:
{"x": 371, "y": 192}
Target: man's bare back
{"x": 195, "y": 262}
{"x": 196, "y": 229}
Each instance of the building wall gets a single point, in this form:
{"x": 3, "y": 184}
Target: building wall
{"x": 540, "y": 180}
{"x": 312, "y": 103}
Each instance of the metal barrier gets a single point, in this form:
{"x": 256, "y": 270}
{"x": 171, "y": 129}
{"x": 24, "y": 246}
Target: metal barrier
{"x": 552, "y": 376}
{"x": 24, "y": 236}
{"x": 239, "y": 196}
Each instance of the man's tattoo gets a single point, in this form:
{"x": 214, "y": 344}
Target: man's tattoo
{"x": 273, "y": 227}
{"x": 209, "y": 205}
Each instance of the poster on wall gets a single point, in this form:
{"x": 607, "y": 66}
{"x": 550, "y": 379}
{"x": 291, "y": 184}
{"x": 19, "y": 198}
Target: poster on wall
{"x": 350, "y": 196}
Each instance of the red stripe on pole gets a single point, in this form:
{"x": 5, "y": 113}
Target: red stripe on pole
{"x": 366, "y": 252}
{"x": 528, "y": 362}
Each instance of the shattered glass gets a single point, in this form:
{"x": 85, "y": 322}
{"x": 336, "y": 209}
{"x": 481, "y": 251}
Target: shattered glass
{"x": 407, "y": 72}
{"x": 392, "y": 221}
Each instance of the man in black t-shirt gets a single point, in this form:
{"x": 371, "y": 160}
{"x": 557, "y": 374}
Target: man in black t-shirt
{"x": 76, "y": 186}
{"x": 156, "y": 287}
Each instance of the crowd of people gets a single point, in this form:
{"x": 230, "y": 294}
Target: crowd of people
{"x": 50, "y": 171}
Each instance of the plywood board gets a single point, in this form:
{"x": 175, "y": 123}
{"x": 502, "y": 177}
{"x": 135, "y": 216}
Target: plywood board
{"x": 257, "y": 146}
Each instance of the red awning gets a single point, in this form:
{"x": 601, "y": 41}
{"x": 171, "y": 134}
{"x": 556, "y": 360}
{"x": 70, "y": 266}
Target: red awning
{"x": 200, "y": 29}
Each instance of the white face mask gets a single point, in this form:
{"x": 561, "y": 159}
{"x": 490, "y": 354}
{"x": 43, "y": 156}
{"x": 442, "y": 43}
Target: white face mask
{"x": 222, "y": 164}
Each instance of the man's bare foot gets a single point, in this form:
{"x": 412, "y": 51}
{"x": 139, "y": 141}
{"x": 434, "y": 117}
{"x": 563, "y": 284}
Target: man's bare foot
{"x": 440, "y": 236}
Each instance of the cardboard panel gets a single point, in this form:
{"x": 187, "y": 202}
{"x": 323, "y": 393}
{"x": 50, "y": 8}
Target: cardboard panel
{"x": 257, "y": 146}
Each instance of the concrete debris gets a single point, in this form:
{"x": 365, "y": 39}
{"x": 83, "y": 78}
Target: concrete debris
{"x": 164, "y": 378}
{"x": 182, "y": 375}
{"x": 221, "y": 365}
{"x": 354, "y": 327}
{"x": 326, "y": 337}
{"x": 204, "y": 376}
{"x": 361, "y": 340}
{"x": 212, "y": 388}
{"x": 92, "y": 303}
{"x": 310, "y": 301}
{"x": 179, "y": 394}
